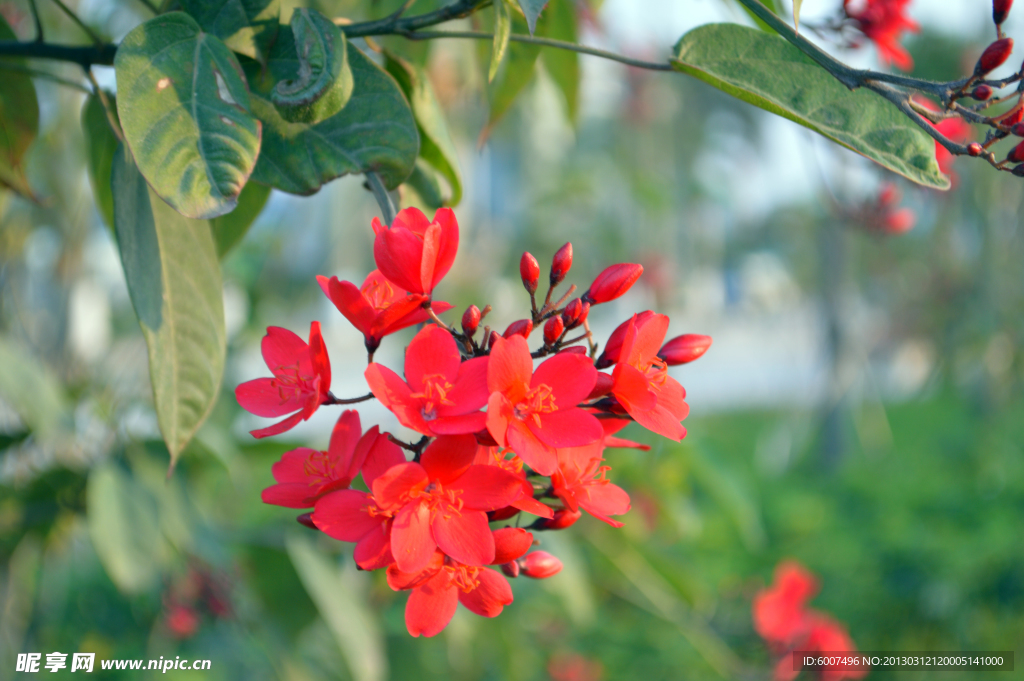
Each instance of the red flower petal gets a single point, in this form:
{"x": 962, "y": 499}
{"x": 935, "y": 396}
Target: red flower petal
{"x": 487, "y": 488}
{"x": 398, "y": 254}
{"x": 570, "y": 376}
{"x": 458, "y": 425}
{"x": 383, "y": 454}
{"x": 394, "y": 393}
{"x": 318, "y": 356}
{"x": 391, "y": 489}
{"x": 431, "y": 606}
{"x": 343, "y": 515}
{"x": 490, "y": 597}
{"x": 567, "y": 428}
{"x": 448, "y": 457}
{"x": 449, "y": 242}
{"x": 633, "y": 389}
{"x": 531, "y": 505}
{"x": 283, "y": 348}
{"x": 292, "y": 466}
{"x": 345, "y": 438}
{"x": 279, "y": 427}
{"x": 289, "y": 495}
{"x": 411, "y": 541}
{"x": 373, "y": 551}
{"x": 467, "y": 537}
{"x": 432, "y": 351}
{"x": 510, "y": 368}
{"x": 470, "y": 391}
{"x": 538, "y": 455}
{"x": 604, "y": 499}
{"x": 511, "y": 543}
{"x": 350, "y": 302}
{"x": 261, "y": 397}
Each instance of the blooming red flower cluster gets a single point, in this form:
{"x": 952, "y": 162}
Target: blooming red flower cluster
{"x": 501, "y": 434}
{"x": 783, "y": 620}
{"x": 883, "y": 22}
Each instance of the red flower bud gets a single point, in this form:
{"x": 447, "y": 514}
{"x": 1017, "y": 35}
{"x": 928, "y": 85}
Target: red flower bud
{"x": 1013, "y": 116}
{"x": 613, "y": 282}
{"x": 684, "y": 349}
{"x": 994, "y": 56}
{"x": 510, "y": 569}
{"x": 888, "y": 195}
{"x": 490, "y": 339}
{"x": 575, "y": 313}
{"x": 523, "y": 327}
{"x": 573, "y": 350}
{"x": 510, "y": 543}
{"x": 1017, "y": 129}
{"x": 529, "y": 270}
{"x": 1016, "y": 154}
{"x": 602, "y": 387}
{"x": 307, "y": 520}
{"x": 562, "y": 519}
{"x": 1018, "y": 171}
{"x": 1000, "y": 10}
{"x": 975, "y": 149}
{"x": 553, "y": 330}
{"x": 981, "y": 93}
{"x": 470, "y": 320}
{"x": 560, "y": 264}
{"x": 899, "y": 222}
{"x": 539, "y": 565}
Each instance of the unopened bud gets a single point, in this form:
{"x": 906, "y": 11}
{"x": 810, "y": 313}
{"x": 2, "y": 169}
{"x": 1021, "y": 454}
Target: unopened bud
{"x": 1000, "y": 10}
{"x": 981, "y": 93}
{"x": 502, "y": 514}
{"x": 510, "y": 543}
{"x": 522, "y": 327}
{"x": 470, "y": 320}
{"x": 575, "y": 313}
{"x": 974, "y": 149}
{"x": 899, "y": 222}
{"x": 510, "y": 569}
{"x": 994, "y": 56}
{"x": 491, "y": 338}
{"x": 684, "y": 349}
{"x": 307, "y": 520}
{"x": 1016, "y": 154}
{"x": 602, "y": 386}
{"x": 529, "y": 270}
{"x": 561, "y": 519}
{"x": 1018, "y": 170}
{"x": 1013, "y": 116}
{"x": 1017, "y": 129}
{"x": 560, "y": 264}
{"x": 553, "y": 330}
{"x": 539, "y": 565}
{"x": 613, "y": 282}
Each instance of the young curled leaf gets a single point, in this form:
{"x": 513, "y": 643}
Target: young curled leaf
{"x": 324, "y": 81}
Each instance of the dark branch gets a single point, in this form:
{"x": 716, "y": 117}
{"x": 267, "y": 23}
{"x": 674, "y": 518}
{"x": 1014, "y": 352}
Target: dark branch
{"x": 84, "y": 55}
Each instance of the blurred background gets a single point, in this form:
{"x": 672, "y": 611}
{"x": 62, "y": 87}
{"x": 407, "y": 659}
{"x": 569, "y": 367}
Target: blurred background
{"x": 861, "y": 409}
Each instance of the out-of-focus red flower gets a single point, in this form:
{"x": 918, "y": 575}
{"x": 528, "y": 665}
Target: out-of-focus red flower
{"x": 378, "y": 307}
{"x": 642, "y": 386}
{"x": 301, "y": 382}
{"x": 779, "y": 611}
{"x": 575, "y": 667}
{"x": 828, "y": 636}
{"x": 580, "y": 483}
{"x": 899, "y": 221}
{"x": 304, "y": 475}
{"x": 416, "y": 253}
{"x": 443, "y": 394}
{"x": 182, "y": 621}
{"x": 883, "y": 22}
{"x": 535, "y": 412}
{"x": 955, "y": 129}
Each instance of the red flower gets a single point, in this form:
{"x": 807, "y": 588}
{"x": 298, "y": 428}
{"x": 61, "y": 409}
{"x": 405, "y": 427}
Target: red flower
{"x": 443, "y": 395}
{"x": 304, "y": 475}
{"x": 493, "y": 456}
{"x": 301, "y": 382}
{"x": 580, "y": 483}
{"x": 443, "y": 583}
{"x": 883, "y": 22}
{"x": 534, "y": 413}
{"x": 415, "y": 253}
{"x": 377, "y": 308}
{"x": 828, "y": 636}
{"x": 352, "y": 515}
{"x": 779, "y": 612}
{"x": 642, "y": 385}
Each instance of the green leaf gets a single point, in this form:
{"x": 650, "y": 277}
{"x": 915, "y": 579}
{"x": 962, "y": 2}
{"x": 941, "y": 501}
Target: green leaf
{"x": 375, "y": 131}
{"x": 31, "y": 388}
{"x": 562, "y": 65}
{"x": 229, "y": 229}
{"x": 436, "y": 146}
{"x": 322, "y": 83}
{"x": 339, "y": 595}
{"x": 531, "y": 10}
{"x": 19, "y": 120}
{"x": 502, "y": 31}
{"x": 173, "y": 277}
{"x": 184, "y": 109}
{"x": 246, "y": 26}
{"x": 761, "y": 24}
{"x": 768, "y": 72}
{"x": 512, "y": 77}
{"x": 124, "y": 525}
{"x": 101, "y": 143}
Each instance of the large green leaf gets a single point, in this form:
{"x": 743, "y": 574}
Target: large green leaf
{"x": 173, "y": 277}
{"x": 124, "y": 525}
{"x": 375, "y": 131}
{"x": 531, "y": 10}
{"x": 19, "y": 120}
{"x": 562, "y": 65}
{"x": 229, "y": 229}
{"x": 340, "y": 597}
{"x": 246, "y": 26}
{"x": 502, "y": 31}
{"x": 184, "y": 109}
{"x": 31, "y": 389}
{"x": 767, "y": 71}
{"x": 322, "y": 82}
{"x": 101, "y": 143}
{"x": 436, "y": 146}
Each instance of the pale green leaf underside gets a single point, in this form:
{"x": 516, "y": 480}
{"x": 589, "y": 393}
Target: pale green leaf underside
{"x": 184, "y": 109}
{"x": 531, "y": 10}
{"x": 770, "y": 73}
{"x": 375, "y": 131}
{"x": 174, "y": 281}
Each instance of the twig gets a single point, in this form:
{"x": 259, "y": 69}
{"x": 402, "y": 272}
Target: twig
{"x": 84, "y": 55}
{"x": 331, "y": 399}
{"x": 107, "y": 106}
{"x": 380, "y": 192}
{"x": 36, "y": 19}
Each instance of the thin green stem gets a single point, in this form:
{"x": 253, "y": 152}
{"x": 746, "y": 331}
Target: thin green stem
{"x": 535, "y": 40}
{"x": 37, "y": 20}
{"x": 81, "y": 24}
{"x": 380, "y": 192}
{"x": 43, "y": 75}
{"x": 107, "y": 106}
